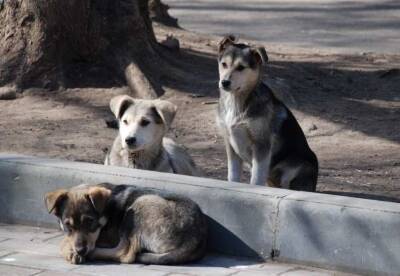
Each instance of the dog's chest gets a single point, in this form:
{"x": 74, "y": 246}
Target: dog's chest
{"x": 235, "y": 127}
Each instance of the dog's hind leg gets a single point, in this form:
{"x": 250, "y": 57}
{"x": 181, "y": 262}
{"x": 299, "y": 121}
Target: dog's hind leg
{"x": 129, "y": 255}
{"x": 124, "y": 252}
{"x": 300, "y": 178}
{"x": 302, "y": 184}
{"x": 184, "y": 254}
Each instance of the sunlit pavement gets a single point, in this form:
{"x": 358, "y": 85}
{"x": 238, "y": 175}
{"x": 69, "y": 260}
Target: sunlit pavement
{"x": 28, "y": 250}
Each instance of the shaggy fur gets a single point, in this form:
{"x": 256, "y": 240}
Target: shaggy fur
{"x": 127, "y": 224}
{"x": 259, "y": 129}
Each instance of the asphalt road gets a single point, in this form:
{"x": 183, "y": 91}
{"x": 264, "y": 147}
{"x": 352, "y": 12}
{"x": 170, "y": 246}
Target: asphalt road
{"x": 338, "y": 25}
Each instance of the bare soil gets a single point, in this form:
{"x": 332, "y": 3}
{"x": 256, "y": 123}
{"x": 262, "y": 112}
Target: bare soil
{"x": 348, "y": 106}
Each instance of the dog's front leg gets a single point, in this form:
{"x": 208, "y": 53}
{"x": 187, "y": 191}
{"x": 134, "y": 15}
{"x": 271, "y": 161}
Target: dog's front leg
{"x": 68, "y": 253}
{"x": 260, "y": 167}
{"x": 235, "y": 163}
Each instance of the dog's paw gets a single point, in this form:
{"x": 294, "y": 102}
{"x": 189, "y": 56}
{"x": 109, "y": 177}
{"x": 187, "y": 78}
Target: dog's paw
{"x": 75, "y": 258}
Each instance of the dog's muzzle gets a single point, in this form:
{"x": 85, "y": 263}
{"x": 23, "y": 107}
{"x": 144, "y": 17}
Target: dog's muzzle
{"x": 130, "y": 141}
{"x": 82, "y": 250}
{"x": 226, "y": 84}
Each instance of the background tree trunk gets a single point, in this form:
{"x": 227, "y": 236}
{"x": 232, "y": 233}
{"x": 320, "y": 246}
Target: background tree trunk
{"x": 59, "y": 43}
{"x": 159, "y": 13}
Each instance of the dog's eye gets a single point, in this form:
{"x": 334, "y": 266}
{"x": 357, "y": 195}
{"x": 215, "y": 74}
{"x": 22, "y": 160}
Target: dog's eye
{"x": 144, "y": 122}
{"x": 224, "y": 64}
{"x": 125, "y": 122}
{"x": 88, "y": 220}
{"x": 68, "y": 226}
{"x": 240, "y": 68}
{"x": 91, "y": 223}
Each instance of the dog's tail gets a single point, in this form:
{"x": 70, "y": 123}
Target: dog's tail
{"x": 179, "y": 256}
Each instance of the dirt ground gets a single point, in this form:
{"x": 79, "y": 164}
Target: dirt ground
{"x": 348, "y": 106}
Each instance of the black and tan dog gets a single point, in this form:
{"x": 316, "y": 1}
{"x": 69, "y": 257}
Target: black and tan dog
{"x": 258, "y": 128}
{"x": 128, "y": 224}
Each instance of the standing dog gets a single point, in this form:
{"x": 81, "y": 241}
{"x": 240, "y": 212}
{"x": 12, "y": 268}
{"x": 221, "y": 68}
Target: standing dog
{"x": 141, "y": 143}
{"x": 258, "y": 128}
{"x": 128, "y": 224}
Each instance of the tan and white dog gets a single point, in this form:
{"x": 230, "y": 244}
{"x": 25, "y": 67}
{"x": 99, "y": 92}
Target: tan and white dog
{"x": 141, "y": 143}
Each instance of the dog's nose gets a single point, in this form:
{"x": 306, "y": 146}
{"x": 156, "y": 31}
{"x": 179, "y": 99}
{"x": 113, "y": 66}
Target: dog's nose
{"x": 81, "y": 250}
{"x": 130, "y": 141}
{"x": 226, "y": 83}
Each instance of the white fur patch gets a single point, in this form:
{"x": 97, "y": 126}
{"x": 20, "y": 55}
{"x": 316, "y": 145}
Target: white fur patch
{"x": 61, "y": 225}
{"x": 232, "y": 112}
{"x": 103, "y": 221}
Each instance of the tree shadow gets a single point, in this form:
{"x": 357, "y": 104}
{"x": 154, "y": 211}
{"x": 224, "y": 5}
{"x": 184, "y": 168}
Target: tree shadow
{"x": 360, "y": 99}
{"x": 364, "y": 196}
{"x": 192, "y": 71}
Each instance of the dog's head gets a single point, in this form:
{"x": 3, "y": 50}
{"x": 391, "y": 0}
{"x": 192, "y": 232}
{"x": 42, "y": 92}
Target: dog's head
{"x": 142, "y": 123}
{"x": 80, "y": 213}
{"x": 239, "y": 65}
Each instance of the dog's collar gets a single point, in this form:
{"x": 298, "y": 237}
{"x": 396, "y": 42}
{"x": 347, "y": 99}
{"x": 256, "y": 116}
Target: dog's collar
{"x": 135, "y": 154}
{"x": 136, "y": 158}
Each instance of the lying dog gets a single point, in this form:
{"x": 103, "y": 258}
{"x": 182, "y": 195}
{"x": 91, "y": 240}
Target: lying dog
{"x": 258, "y": 128}
{"x": 141, "y": 143}
{"x": 128, "y": 224}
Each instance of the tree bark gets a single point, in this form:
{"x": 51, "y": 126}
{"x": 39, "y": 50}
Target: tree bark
{"x": 60, "y": 43}
{"x": 159, "y": 13}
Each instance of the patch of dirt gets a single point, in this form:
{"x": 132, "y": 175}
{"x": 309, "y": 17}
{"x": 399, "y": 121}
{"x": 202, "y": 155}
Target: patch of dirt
{"x": 348, "y": 106}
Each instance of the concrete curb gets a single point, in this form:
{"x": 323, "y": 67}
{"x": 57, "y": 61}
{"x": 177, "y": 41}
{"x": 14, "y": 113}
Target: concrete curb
{"x": 328, "y": 231}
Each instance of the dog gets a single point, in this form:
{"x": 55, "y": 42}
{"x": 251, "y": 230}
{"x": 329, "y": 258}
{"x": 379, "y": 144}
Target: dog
{"x": 141, "y": 143}
{"x": 128, "y": 224}
{"x": 258, "y": 129}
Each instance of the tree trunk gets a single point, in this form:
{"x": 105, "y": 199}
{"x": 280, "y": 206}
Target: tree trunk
{"x": 159, "y": 13}
{"x": 53, "y": 43}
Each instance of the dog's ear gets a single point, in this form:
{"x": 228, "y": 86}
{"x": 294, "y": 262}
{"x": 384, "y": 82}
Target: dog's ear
{"x": 225, "y": 42}
{"x": 119, "y": 104}
{"x": 54, "y": 200}
{"x": 99, "y": 197}
{"x": 166, "y": 111}
{"x": 260, "y": 54}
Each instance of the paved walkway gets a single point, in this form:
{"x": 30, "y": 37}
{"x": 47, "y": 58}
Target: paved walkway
{"x": 338, "y": 25}
{"x": 34, "y": 251}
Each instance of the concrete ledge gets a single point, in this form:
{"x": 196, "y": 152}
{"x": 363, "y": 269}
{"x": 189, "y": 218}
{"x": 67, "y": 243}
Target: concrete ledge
{"x": 338, "y": 232}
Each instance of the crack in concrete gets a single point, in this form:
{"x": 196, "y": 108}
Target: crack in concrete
{"x": 276, "y": 228}
{"x": 289, "y": 270}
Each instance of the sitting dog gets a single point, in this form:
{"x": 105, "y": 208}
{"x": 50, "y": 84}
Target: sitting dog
{"x": 128, "y": 224}
{"x": 257, "y": 127}
{"x": 141, "y": 143}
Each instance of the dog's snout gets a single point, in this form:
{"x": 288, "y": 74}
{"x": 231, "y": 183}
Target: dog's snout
{"x": 226, "y": 83}
{"x": 130, "y": 141}
{"x": 81, "y": 250}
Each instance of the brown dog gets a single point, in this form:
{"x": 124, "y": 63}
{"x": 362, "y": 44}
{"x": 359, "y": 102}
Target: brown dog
{"x": 128, "y": 224}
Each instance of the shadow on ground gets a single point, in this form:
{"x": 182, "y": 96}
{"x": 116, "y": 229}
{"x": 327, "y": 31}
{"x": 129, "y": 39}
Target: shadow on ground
{"x": 364, "y": 196}
{"x": 349, "y": 91}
